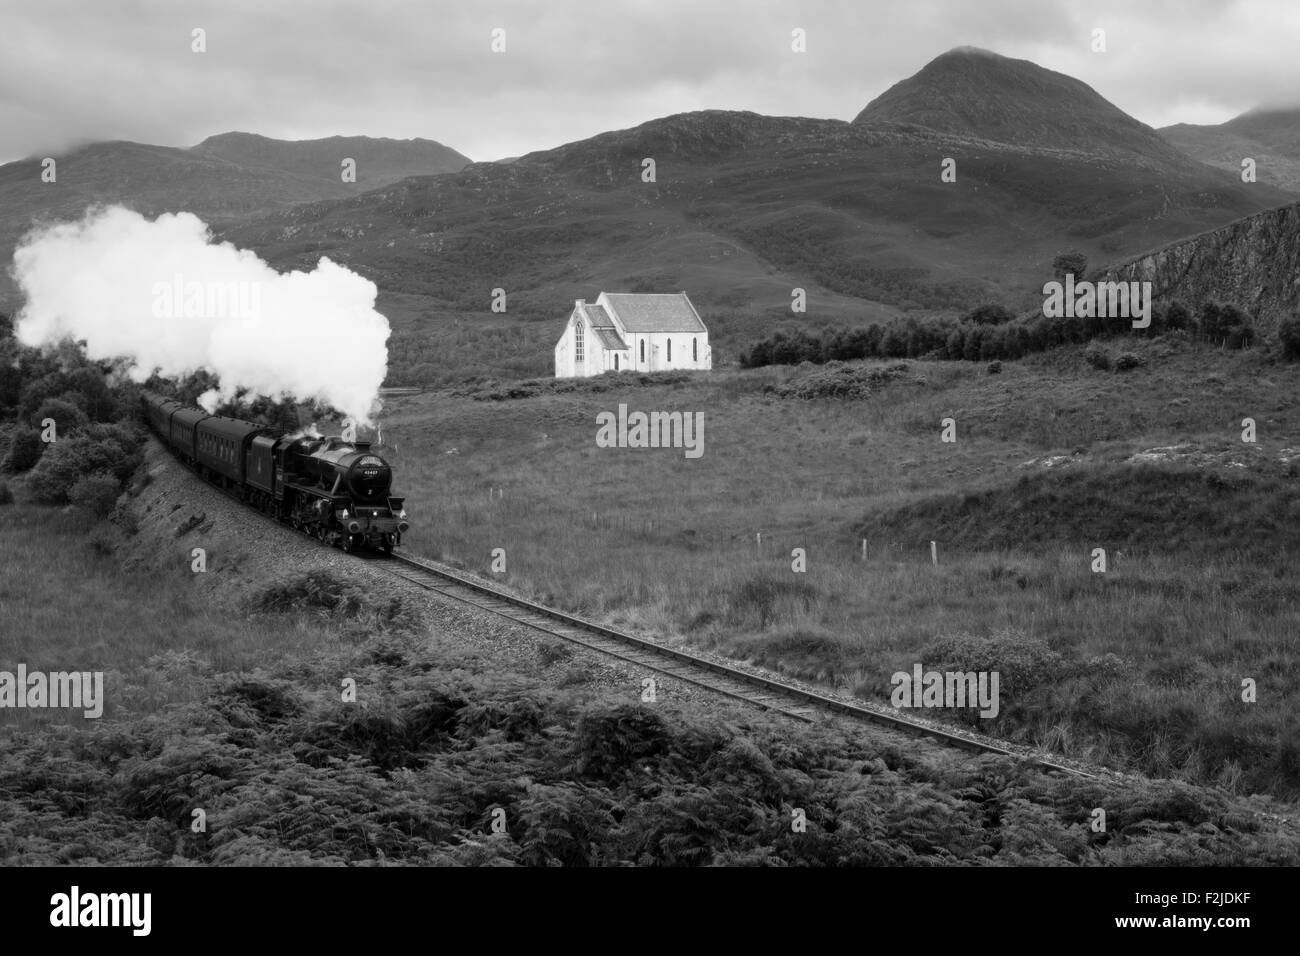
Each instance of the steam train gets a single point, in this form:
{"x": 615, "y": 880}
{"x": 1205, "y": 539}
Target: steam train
{"x": 333, "y": 489}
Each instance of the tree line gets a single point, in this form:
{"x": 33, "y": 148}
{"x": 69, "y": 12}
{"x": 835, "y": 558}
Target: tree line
{"x": 992, "y": 331}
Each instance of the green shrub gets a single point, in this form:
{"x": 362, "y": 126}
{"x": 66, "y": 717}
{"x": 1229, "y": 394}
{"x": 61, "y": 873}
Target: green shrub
{"x": 84, "y": 387}
{"x": 25, "y": 448}
{"x": 1129, "y": 360}
{"x": 1097, "y": 356}
{"x": 1288, "y": 335}
{"x": 67, "y": 417}
{"x": 1240, "y": 337}
{"x": 989, "y": 314}
{"x": 11, "y": 379}
{"x": 764, "y": 600}
{"x": 549, "y": 652}
{"x": 96, "y": 493}
{"x": 6, "y": 496}
{"x": 1072, "y": 263}
{"x": 843, "y": 381}
{"x": 1022, "y": 662}
{"x": 1208, "y": 322}
{"x": 1227, "y": 325}
{"x": 994, "y": 368}
{"x": 612, "y": 742}
{"x": 334, "y": 596}
{"x": 114, "y": 449}
{"x": 563, "y": 824}
{"x": 102, "y": 540}
{"x": 312, "y": 590}
{"x": 1178, "y": 316}
{"x": 1237, "y": 327}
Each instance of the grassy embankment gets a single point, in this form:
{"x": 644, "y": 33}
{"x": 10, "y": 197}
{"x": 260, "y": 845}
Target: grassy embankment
{"x": 69, "y": 605}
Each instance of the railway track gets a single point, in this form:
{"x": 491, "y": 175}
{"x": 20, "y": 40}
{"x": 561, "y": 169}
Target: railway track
{"x": 730, "y": 682}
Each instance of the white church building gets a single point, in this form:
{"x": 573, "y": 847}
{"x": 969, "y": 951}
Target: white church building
{"x": 625, "y": 332}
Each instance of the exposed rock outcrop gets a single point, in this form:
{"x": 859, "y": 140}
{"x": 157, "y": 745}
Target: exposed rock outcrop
{"x": 1253, "y": 263}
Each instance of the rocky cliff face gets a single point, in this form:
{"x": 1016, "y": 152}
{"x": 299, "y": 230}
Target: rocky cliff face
{"x": 1253, "y": 263}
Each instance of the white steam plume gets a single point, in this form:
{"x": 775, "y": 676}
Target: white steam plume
{"x": 164, "y": 296}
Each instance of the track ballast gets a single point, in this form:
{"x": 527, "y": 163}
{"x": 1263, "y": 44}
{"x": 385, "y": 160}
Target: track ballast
{"x": 731, "y": 682}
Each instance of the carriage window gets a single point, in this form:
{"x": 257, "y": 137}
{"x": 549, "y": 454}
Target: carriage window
{"x": 577, "y": 341}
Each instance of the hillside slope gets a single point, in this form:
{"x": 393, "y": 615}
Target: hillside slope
{"x": 380, "y": 160}
{"x": 1270, "y": 137}
{"x": 222, "y": 179}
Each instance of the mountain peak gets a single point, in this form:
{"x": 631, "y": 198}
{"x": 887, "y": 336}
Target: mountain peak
{"x": 973, "y": 51}
{"x": 234, "y": 136}
{"x": 970, "y": 91}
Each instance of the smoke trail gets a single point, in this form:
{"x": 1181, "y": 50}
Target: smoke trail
{"x": 165, "y": 297}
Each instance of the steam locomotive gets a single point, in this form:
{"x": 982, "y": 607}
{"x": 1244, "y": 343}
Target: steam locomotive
{"x": 331, "y": 488}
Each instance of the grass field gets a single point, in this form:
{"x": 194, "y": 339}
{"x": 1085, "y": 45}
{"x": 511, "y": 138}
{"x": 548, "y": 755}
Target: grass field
{"x": 1140, "y": 666}
{"x": 236, "y": 713}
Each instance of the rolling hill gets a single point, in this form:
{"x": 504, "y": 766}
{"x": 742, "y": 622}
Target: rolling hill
{"x": 380, "y": 161}
{"x": 225, "y": 178}
{"x": 1269, "y": 136}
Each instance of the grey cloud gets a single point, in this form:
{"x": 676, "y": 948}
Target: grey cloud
{"x": 75, "y": 71}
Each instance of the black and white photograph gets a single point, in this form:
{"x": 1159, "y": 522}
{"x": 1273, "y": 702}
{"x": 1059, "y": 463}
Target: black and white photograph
{"x": 654, "y": 435}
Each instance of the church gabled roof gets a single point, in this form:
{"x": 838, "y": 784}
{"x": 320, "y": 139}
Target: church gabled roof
{"x": 597, "y": 315}
{"x": 609, "y": 338}
{"x": 654, "y": 313}
{"x": 603, "y": 326}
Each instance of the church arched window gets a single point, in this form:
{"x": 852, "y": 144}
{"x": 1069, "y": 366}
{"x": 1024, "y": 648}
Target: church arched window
{"x": 577, "y": 341}
{"x": 615, "y": 361}
{"x": 643, "y": 351}
{"x": 670, "y": 350}
{"x": 695, "y": 349}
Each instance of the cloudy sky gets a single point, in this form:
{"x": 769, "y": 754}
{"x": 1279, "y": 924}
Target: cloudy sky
{"x": 91, "y": 70}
